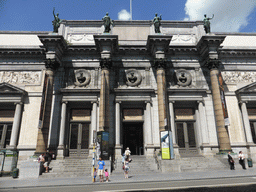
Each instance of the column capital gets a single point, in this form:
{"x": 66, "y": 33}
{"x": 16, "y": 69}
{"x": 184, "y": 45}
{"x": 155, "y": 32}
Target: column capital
{"x": 66, "y": 102}
{"x": 148, "y": 101}
{"x": 212, "y": 64}
{"x": 172, "y": 101}
{"x": 97, "y": 102}
{"x": 105, "y": 63}
{"x": 160, "y": 63}
{"x": 117, "y": 101}
{"x": 51, "y": 64}
{"x": 241, "y": 102}
{"x": 18, "y": 103}
{"x": 201, "y": 101}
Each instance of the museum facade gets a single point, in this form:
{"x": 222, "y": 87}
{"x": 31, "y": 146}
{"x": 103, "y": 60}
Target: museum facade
{"x": 57, "y": 90}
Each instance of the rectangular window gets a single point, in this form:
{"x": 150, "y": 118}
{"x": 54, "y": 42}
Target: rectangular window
{"x": 132, "y": 114}
{"x": 184, "y": 114}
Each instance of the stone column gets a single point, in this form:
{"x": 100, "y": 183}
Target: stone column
{"x": 223, "y": 137}
{"x": 54, "y": 46}
{"x": 246, "y": 124}
{"x": 45, "y": 113}
{"x": 104, "y": 95}
{"x": 61, "y": 146}
{"x": 118, "y": 148}
{"x": 16, "y": 126}
{"x": 93, "y": 127}
{"x": 161, "y": 95}
{"x": 148, "y": 129}
{"x": 172, "y": 122}
{"x": 203, "y": 124}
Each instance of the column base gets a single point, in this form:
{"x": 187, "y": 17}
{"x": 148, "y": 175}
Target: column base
{"x": 60, "y": 152}
{"x": 118, "y": 151}
{"x": 11, "y": 147}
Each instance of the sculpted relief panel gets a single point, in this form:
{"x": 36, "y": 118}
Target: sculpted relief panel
{"x": 238, "y": 77}
{"x": 19, "y": 77}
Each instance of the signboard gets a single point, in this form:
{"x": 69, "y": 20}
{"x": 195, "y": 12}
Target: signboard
{"x": 103, "y": 144}
{"x": 166, "y": 145}
{"x": 10, "y": 160}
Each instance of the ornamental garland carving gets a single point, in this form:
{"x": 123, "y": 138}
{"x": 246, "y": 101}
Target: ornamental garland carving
{"x": 19, "y": 77}
{"x": 238, "y": 77}
{"x": 133, "y": 77}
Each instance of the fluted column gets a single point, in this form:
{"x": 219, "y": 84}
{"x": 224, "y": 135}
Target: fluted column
{"x": 118, "y": 127}
{"x": 16, "y": 125}
{"x": 223, "y": 137}
{"x": 246, "y": 123}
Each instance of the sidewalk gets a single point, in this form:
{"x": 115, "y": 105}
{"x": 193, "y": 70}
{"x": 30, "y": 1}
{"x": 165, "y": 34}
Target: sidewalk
{"x": 9, "y": 182}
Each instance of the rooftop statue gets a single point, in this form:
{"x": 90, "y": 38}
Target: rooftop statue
{"x": 56, "y": 22}
{"x": 157, "y": 23}
{"x": 107, "y": 23}
{"x": 207, "y": 23}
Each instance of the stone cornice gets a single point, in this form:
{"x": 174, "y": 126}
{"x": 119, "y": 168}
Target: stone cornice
{"x": 106, "y": 40}
{"x": 65, "y": 90}
{"x": 208, "y": 41}
{"x": 81, "y": 48}
{"x": 180, "y": 49}
{"x": 21, "y": 51}
{"x": 56, "y": 39}
{"x": 162, "y": 41}
{"x": 238, "y": 52}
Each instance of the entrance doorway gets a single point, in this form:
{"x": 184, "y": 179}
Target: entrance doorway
{"x": 79, "y": 139}
{"x": 186, "y": 137}
{"x": 133, "y": 138}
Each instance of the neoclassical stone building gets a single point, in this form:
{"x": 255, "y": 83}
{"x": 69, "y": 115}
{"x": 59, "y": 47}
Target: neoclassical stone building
{"x": 58, "y": 90}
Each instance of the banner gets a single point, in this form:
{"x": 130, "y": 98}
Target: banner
{"x": 165, "y": 145}
{"x": 223, "y": 101}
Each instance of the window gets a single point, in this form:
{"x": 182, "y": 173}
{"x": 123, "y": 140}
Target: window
{"x": 6, "y": 120}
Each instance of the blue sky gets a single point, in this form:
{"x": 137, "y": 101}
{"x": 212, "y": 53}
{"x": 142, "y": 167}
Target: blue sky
{"x": 36, "y": 15}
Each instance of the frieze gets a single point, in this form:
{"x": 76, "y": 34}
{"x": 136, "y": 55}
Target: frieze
{"x": 238, "y": 77}
{"x": 81, "y": 38}
{"x": 19, "y": 77}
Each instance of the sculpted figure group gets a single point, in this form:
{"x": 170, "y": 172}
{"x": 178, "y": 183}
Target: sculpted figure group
{"x": 107, "y": 21}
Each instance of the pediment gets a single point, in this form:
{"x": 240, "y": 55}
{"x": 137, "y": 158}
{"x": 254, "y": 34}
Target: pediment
{"x": 251, "y": 88}
{"x": 6, "y": 88}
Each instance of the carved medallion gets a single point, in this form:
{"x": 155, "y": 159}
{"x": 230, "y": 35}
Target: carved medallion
{"x": 82, "y": 77}
{"x": 184, "y": 78}
{"x": 133, "y": 77}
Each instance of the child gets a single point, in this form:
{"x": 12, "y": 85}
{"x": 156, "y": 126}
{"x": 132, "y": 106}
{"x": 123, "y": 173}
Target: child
{"x": 94, "y": 174}
{"x": 106, "y": 175}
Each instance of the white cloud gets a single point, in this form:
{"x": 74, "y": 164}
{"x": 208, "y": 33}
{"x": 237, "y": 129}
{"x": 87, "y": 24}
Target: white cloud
{"x": 124, "y": 15}
{"x": 229, "y": 15}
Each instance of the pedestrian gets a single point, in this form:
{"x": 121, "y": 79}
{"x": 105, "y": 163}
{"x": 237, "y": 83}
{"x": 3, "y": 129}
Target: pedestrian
{"x": 231, "y": 161}
{"x": 127, "y": 153}
{"x": 126, "y": 168}
{"x": 106, "y": 175}
{"x": 241, "y": 159}
{"x": 100, "y": 168}
{"x": 48, "y": 157}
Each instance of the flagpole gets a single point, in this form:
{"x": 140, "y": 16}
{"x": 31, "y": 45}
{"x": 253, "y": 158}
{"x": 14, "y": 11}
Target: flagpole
{"x": 131, "y": 8}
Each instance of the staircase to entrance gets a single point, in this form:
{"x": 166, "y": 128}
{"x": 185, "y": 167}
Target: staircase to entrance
{"x": 140, "y": 165}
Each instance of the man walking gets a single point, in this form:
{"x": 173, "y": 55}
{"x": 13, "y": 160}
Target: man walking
{"x": 101, "y": 168}
{"x": 231, "y": 161}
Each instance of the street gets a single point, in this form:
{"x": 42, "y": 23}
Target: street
{"x": 236, "y": 184}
